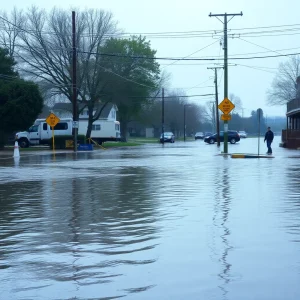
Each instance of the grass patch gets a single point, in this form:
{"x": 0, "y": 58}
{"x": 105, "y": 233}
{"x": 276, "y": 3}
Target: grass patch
{"x": 142, "y": 140}
{"x": 119, "y": 144}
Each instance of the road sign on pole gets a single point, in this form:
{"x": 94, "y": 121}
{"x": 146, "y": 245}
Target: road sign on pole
{"x": 52, "y": 120}
{"x": 226, "y": 106}
{"x": 226, "y": 117}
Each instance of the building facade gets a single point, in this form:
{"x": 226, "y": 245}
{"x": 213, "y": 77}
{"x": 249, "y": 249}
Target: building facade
{"x": 291, "y": 136}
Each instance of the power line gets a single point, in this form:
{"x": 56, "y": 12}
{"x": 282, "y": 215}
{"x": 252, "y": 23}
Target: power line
{"x": 231, "y": 56}
{"x": 260, "y": 46}
{"x": 186, "y": 59}
{"x": 257, "y": 68}
{"x": 172, "y": 34}
{"x": 190, "y": 54}
{"x": 175, "y": 96}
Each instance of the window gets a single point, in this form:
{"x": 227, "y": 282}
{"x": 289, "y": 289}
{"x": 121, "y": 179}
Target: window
{"x": 34, "y": 128}
{"x": 45, "y": 126}
{"x": 61, "y": 126}
{"x": 85, "y": 112}
{"x": 96, "y": 127}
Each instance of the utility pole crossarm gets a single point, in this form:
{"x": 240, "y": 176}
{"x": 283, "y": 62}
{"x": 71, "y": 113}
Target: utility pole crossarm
{"x": 222, "y": 15}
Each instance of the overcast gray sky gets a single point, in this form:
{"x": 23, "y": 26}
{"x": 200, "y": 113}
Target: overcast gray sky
{"x": 250, "y": 84}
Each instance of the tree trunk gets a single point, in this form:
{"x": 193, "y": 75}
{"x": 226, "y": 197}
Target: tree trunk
{"x": 123, "y": 125}
{"x": 90, "y": 122}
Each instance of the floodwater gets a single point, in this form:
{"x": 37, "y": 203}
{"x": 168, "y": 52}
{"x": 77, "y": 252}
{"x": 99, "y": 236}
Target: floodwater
{"x": 151, "y": 222}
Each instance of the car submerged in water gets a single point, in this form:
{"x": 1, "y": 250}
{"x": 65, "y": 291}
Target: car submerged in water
{"x": 233, "y": 137}
{"x": 199, "y": 135}
{"x": 243, "y": 134}
{"x": 167, "y": 137}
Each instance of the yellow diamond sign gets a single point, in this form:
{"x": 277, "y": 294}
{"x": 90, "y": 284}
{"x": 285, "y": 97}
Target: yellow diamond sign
{"x": 226, "y": 106}
{"x": 226, "y": 117}
{"x": 52, "y": 120}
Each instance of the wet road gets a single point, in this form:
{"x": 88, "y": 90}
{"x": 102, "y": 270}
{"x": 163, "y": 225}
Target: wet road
{"x": 151, "y": 222}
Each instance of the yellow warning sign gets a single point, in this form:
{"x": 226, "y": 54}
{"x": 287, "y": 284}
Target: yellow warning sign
{"x": 226, "y": 117}
{"x": 52, "y": 120}
{"x": 226, "y": 106}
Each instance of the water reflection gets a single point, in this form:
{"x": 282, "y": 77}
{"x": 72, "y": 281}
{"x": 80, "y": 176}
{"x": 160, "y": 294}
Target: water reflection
{"x": 221, "y": 210}
{"x": 292, "y": 190}
{"x": 84, "y": 233}
{"x": 150, "y": 223}
{"x": 225, "y": 274}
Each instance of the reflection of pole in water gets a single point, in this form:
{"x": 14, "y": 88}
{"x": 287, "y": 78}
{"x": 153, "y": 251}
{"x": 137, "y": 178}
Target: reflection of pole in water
{"x": 75, "y": 226}
{"x": 225, "y": 208}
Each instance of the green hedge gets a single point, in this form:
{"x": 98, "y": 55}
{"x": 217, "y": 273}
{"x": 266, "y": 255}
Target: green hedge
{"x": 64, "y": 141}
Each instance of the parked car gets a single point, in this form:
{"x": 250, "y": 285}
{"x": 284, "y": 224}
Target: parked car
{"x": 207, "y": 134}
{"x": 243, "y": 134}
{"x": 168, "y": 137}
{"x": 233, "y": 137}
{"x": 199, "y": 135}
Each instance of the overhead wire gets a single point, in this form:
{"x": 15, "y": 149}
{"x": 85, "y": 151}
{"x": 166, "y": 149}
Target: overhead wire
{"x": 177, "y": 34}
{"x": 186, "y": 58}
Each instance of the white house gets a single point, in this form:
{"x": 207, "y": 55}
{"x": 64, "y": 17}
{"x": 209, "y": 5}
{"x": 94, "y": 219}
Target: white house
{"x": 105, "y": 128}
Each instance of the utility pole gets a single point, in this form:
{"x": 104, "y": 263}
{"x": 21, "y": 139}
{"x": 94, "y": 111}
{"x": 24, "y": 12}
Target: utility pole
{"x": 225, "y": 67}
{"x": 213, "y": 117}
{"x": 243, "y": 117}
{"x": 184, "y": 123}
{"x": 184, "y": 126}
{"x": 163, "y": 116}
{"x": 217, "y": 103}
{"x": 74, "y": 82}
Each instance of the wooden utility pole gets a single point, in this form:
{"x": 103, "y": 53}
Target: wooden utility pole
{"x": 163, "y": 116}
{"x": 184, "y": 126}
{"x": 217, "y": 103}
{"x": 225, "y": 22}
{"x": 74, "y": 82}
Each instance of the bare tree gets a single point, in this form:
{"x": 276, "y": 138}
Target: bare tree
{"x": 210, "y": 114}
{"x": 11, "y": 27}
{"x": 284, "y": 85}
{"x": 236, "y": 100}
{"x": 44, "y": 50}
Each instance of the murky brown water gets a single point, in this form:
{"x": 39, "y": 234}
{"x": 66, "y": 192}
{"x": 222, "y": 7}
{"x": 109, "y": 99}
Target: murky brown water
{"x": 152, "y": 222}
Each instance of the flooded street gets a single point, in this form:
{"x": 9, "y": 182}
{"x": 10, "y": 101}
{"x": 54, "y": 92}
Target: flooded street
{"x": 151, "y": 222}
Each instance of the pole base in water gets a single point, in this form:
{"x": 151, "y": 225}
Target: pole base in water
{"x": 16, "y": 149}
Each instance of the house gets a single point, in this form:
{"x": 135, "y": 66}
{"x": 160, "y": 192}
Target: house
{"x": 291, "y": 136}
{"x": 104, "y": 128}
{"x": 64, "y": 110}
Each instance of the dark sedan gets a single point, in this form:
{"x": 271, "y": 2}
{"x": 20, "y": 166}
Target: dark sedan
{"x": 233, "y": 137}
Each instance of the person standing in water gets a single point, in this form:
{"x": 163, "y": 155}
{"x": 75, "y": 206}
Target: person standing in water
{"x": 269, "y": 136}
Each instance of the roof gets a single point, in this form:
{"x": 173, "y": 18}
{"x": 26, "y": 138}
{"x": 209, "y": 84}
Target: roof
{"x": 69, "y": 107}
{"x": 45, "y": 112}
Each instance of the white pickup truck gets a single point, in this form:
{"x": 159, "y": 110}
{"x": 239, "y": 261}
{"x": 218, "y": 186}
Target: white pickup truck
{"x": 41, "y": 132}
